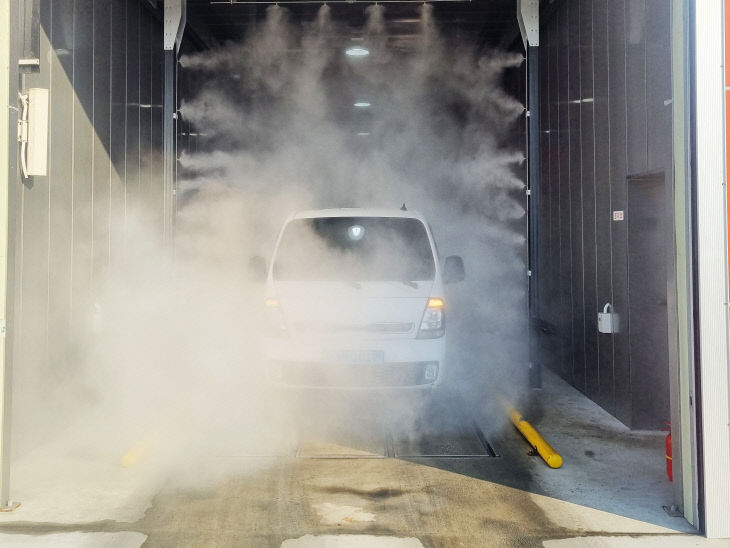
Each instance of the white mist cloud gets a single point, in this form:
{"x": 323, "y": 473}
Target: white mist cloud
{"x": 285, "y": 136}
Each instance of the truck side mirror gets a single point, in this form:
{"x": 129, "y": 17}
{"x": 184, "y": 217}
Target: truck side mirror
{"x": 257, "y": 270}
{"x": 454, "y": 269}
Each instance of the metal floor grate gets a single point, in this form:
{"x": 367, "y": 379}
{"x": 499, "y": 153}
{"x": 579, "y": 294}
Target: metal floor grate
{"x": 467, "y": 443}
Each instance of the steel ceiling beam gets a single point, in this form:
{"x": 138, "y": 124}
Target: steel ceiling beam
{"x": 528, "y": 17}
{"x": 266, "y": 2}
{"x": 175, "y": 15}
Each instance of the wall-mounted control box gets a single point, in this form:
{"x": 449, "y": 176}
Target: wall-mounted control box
{"x": 33, "y": 132}
{"x": 608, "y": 320}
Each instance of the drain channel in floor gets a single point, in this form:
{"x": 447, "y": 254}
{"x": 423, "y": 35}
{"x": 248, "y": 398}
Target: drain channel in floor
{"x": 459, "y": 444}
{"x": 463, "y": 443}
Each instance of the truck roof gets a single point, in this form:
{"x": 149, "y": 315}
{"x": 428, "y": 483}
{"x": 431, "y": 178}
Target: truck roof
{"x": 356, "y": 212}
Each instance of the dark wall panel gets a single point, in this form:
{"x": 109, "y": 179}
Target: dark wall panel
{"x": 118, "y": 137}
{"x": 565, "y": 274}
{"x": 618, "y": 168}
{"x": 83, "y": 138}
{"x": 651, "y": 389}
{"x": 588, "y": 192}
{"x": 544, "y": 221}
{"x": 132, "y": 157}
{"x": 155, "y": 198}
{"x": 102, "y": 139}
{"x": 145, "y": 115}
{"x": 61, "y": 180}
{"x": 606, "y": 68}
{"x": 659, "y": 88}
{"x": 604, "y": 291}
{"x": 635, "y": 21}
{"x": 553, "y": 296}
{"x": 575, "y": 191}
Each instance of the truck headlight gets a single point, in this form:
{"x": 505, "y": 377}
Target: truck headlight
{"x": 433, "y": 324}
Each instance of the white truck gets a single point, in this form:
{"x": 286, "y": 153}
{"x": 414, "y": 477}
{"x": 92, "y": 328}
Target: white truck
{"x": 355, "y": 299}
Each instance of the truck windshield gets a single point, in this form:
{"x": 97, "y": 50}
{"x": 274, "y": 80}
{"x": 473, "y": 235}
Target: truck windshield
{"x": 355, "y": 249}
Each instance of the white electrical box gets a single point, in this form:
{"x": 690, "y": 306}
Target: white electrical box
{"x": 608, "y": 320}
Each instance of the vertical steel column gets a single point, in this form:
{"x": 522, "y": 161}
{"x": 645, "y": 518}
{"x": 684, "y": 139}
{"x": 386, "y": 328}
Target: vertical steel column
{"x": 533, "y": 182}
{"x": 174, "y": 20}
{"x": 5, "y": 178}
{"x": 528, "y": 18}
{"x": 168, "y": 139}
{"x": 682, "y": 380}
{"x": 9, "y": 177}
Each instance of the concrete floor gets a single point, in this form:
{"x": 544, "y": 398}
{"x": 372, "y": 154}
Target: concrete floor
{"x": 365, "y": 486}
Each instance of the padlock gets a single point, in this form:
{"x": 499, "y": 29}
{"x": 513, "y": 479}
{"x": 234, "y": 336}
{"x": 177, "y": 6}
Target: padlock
{"x": 608, "y": 321}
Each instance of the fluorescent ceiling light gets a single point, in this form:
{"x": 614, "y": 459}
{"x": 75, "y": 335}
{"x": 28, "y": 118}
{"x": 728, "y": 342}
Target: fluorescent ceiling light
{"x": 357, "y": 51}
{"x": 363, "y": 134}
{"x": 362, "y": 104}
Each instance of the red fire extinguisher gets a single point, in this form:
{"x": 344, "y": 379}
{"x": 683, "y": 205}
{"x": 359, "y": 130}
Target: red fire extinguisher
{"x": 668, "y": 452}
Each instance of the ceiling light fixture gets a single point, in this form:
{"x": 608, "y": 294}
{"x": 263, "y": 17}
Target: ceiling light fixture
{"x": 357, "y": 51}
{"x": 362, "y": 104}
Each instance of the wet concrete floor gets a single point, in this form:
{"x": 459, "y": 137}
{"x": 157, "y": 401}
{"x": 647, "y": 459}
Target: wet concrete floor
{"x": 438, "y": 481}
{"x": 432, "y": 479}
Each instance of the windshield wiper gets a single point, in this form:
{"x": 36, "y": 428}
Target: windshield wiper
{"x": 409, "y": 283}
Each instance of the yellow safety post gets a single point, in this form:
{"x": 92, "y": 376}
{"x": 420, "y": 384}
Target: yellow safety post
{"x": 533, "y": 437}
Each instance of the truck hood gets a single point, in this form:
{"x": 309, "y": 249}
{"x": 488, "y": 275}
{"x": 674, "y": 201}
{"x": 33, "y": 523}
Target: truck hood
{"x": 340, "y": 309}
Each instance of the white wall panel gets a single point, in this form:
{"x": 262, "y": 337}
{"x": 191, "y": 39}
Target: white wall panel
{"x": 712, "y": 266}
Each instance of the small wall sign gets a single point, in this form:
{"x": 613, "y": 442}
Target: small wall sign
{"x": 618, "y": 215}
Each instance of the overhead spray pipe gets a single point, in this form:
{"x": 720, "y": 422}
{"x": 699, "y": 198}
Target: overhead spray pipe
{"x": 533, "y": 437}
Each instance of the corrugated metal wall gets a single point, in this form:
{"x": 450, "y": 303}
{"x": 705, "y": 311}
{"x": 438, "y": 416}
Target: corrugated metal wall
{"x": 605, "y": 76}
{"x": 102, "y": 61}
